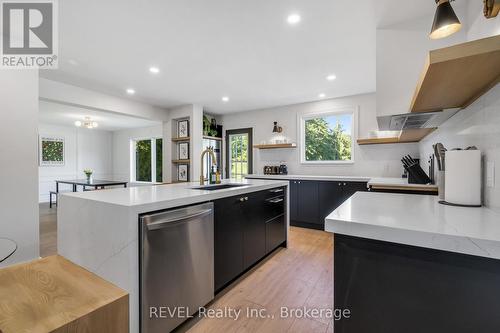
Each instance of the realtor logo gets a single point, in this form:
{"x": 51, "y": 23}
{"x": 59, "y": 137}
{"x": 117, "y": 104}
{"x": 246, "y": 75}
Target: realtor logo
{"x": 29, "y": 34}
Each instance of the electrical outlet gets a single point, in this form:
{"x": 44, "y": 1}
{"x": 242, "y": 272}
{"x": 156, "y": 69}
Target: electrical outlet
{"x": 490, "y": 174}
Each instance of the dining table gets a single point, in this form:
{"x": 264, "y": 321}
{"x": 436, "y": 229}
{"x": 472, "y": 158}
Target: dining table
{"x": 95, "y": 183}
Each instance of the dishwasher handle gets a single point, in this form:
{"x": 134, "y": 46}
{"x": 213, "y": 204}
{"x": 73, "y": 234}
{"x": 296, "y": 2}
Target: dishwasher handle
{"x": 170, "y": 222}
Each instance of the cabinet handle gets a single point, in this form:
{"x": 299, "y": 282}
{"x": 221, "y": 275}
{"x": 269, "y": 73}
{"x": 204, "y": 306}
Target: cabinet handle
{"x": 242, "y": 199}
{"x": 344, "y": 184}
{"x": 276, "y": 200}
{"x": 276, "y": 190}
{"x": 340, "y": 184}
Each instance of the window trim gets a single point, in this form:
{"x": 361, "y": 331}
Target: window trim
{"x": 301, "y": 119}
{"x": 133, "y": 147}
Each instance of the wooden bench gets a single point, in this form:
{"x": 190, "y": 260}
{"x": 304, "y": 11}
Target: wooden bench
{"x": 55, "y": 295}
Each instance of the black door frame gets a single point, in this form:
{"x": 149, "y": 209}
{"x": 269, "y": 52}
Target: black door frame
{"x": 248, "y": 131}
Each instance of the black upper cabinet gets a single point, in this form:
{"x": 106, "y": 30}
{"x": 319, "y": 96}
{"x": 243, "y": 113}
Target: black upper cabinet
{"x": 228, "y": 240}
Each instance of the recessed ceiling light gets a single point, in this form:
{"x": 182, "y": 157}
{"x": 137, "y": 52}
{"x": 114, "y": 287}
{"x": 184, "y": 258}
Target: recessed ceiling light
{"x": 154, "y": 70}
{"x": 225, "y": 99}
{"x": 321, "y": 95}
{"x": 331, "y": 77}
{"x": 130, "y": 91}
{"x": 293, "y": 19}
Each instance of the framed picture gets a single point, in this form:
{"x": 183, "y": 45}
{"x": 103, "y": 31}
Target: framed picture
{"x": 183, "y": 129}
{"x": 184, "y": 151}
{"x": 51, "y": 151}
{"x": 183, "y": 173}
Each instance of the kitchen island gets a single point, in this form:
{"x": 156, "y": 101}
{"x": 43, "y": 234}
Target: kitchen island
{"x": 405, "y": 263}
{"x": 99, "y": 230}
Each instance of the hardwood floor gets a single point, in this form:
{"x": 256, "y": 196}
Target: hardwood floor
{"x": 296, "y": 277}
{"x": 48, "y": 230}
{"x": 300, "y": 276}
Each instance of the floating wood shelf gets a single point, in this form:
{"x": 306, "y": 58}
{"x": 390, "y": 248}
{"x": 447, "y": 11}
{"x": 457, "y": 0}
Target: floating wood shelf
{"x": 181, "y": 161}
{"x": 212, "y": 138}
{"x": 276, "y": 146}
{"x": 181, "y": 139}
{"x": 456, "y": 76}
{"x": 406, "y": 136}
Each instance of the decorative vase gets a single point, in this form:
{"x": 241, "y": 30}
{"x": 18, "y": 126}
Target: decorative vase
{"x": 89, "y": 178}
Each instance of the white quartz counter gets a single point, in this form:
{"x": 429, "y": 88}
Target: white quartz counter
{"x": 418, "y": 220}
{"x": 147, "y": 198}
{"x": 387, "y": 182}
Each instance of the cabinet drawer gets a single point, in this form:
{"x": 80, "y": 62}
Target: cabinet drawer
{"x": 273, "y": 207}
{"x": 275, "y": 233}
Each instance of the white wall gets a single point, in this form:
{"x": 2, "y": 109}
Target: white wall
{"x": 76, "y": 96}
{"x": 477, "y": 125}
{"x": 375, "y": 160}
{"x": 195, "y": 115}
{"x": 84, "y": 148}
{"x": 477, "y": 25}
{"x": 401, "y": 54}
{"x": 121, "y": 148}
{"x": 18, "y": 162}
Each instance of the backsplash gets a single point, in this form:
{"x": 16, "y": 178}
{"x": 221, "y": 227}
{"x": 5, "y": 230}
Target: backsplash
{"x": 478, "y": 125}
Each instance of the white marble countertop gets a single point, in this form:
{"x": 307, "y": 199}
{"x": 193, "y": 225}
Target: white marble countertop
{"x": 418, "y": 220}
{"x": 397, "y": 182}
{"x": 171, "y": 195}
{"x": 311, "y": 177}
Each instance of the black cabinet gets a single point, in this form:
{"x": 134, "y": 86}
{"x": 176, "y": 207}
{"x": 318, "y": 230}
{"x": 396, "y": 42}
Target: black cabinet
{"x": 330, "y": 195}
{"x": 254, "y": 228}
{"x": 304, "y": 202}
{"x": 312, "y": 201}
{"x": 247, "y": 227}
{"x": 275, "y": 233}
{"x": 228, "y": 239}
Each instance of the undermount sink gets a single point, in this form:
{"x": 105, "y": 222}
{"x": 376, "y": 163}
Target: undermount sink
{"x": 217, "y": 187}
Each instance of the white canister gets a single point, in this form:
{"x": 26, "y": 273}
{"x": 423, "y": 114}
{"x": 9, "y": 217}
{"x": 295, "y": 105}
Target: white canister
{"x": 463, "y": 177}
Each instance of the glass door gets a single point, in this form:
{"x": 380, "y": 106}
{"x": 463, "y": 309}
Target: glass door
{"x": 239, "y": 153}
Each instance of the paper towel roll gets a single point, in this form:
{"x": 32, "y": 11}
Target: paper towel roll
{"x": 463, "y": 177}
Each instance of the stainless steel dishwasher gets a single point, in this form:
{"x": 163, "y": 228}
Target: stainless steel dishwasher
{"x": 177, "y": 266}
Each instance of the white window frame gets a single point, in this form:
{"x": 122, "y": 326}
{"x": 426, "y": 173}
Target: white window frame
{"x": 133, "y": 146}
{"x": 301, "y": 120}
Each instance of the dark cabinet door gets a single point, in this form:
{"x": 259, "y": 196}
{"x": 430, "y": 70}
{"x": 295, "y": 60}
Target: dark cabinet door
{"x": 330, "y": 197}
{"x": 275, "y": 233}
{"x": 349, "y": 188}
{"x": 254, "y": 227}
{"x": 307, "y": 202}
{"x": 294, "y": 197}
{"x": 228, "y": 240}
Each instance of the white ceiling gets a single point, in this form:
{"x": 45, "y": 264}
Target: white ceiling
{"x": 243, "y": 49}
{"x": 66, "y": 115}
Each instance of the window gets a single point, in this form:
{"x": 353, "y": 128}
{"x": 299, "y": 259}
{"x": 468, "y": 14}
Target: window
{"x": 147, "y": 157}
{"x": 327, "y": 137}
{"x": 239, "y": 152}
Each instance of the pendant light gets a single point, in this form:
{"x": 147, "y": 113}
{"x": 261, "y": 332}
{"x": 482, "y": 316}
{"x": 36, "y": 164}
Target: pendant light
{"x": 445, "y": 21}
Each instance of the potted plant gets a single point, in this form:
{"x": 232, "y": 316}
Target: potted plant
{"x": 88, "y": 173}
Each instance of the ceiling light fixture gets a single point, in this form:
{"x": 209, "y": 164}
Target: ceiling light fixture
{"x": 225, "y": 99}
{"x": 321, "y": 95}
{"x": 154, "y": 70}
{"x": 445, "y": 22}
{"x": 331, "y": 77}
{"x": 87, "y": 123}
{"x": 130, "y": 91}
{"x": 293, "y": 19}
